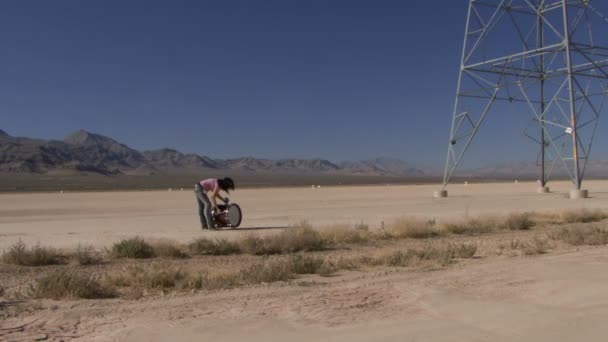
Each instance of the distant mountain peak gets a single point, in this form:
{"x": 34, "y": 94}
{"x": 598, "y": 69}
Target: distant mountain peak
{"x": 3, "y": 134}
{"x": 82, "y": 137}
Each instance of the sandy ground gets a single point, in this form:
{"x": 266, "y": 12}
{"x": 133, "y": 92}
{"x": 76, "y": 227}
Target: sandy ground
{"x": 557, "y": 297}
{"x": 101, "y": 218}
{"x": 552, "y": 298}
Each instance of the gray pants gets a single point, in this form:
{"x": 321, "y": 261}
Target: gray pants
{"x": 204, "y": 207}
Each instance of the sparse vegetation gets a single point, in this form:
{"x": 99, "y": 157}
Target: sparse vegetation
{"x": 203, "y": 246}
{"x": 266, "y": 272}
{"x": 411, "y": 257}
{"x": 305, "y": 264}
{"x": 536, "y": 246}
{"x": 473, "y": 226}
{"x": 580, "y": 234}
{"x": 135, "y": 248}
{"x": 343, "y": 234}
{"x": 168, "y": 249}
{"x": 438, "y": 255}
{"x": 20, "y": 254}
{"x": 167, "y": 278}
{"x": 412, "y": 228}
{"x": 463, "y": 250}
{"x": 300, "y": 238}
{"x": 519, "y": 221}
{"x": 154, "y": 278}
{"x": 87, "y": 255}
{"x": 285, "y": 255}
{"x": 583, "y": 216}
{"x": 63, "y": 284}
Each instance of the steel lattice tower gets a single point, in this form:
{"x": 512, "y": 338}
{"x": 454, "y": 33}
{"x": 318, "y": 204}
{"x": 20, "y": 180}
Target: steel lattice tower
{"x": 548, "y": 57}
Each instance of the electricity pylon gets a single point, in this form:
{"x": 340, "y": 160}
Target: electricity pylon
{"x": 548, "y": 56}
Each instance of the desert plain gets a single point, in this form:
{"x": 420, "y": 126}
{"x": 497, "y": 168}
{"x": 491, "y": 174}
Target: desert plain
{"x": 557, "y": 294}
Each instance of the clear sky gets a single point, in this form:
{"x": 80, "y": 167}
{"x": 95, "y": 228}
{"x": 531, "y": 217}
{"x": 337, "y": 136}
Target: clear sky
{"x": 339, "y": 79}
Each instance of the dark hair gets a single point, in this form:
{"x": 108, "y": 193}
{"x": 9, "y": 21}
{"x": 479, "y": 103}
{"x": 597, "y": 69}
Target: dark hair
{"x": 226, "y": 184}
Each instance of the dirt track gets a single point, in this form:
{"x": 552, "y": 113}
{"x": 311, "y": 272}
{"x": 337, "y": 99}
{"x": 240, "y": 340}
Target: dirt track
{"x": 101, "y": 218}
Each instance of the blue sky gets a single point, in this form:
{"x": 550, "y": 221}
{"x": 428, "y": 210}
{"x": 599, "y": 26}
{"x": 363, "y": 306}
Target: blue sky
{"x": 340, "y": 79}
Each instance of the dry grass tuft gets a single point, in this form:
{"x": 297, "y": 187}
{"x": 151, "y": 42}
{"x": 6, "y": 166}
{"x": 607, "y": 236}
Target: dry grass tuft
{"x": 162, "y": 278}
{"x": 204, "y": 246}
{"x": 332, "y": 265}
{"x": 71, "y": 285}
{"x": 168, "y": 249}
{"x": 302, "y": 238}
{"x": 519, "y": 221}
{"x": 412, "y": 257}
{"x": 583, "y": 216}
{"x": 266, "y": 272}
{"x": 158, "y": 278}
{"x": 20, "y": 254}
{"x": 463, "y": 250}
{"x": 305, "y": 264}
{"x": 135, "y": 248}
{"x": 87, "y": 255}
{"x": 412, "y": 228}
{"x": 431, "y": 255}
{"x": 342, "y": 234}
{"x": 581, "y": 235}
{"x": 473, "y": 226}
{"x": 536, "y": 246}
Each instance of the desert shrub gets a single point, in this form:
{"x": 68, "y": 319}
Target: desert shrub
{"x": 20, "y": 254}
{"x": 473, "y": 226}
{"x": 87, "y": 255}
{"x": 204, "y": 246}
{"x": 581, "y": 235}
{"x": 518, "y": 221}
{"x": 158, "y": 278}
{"x": 536, "y": 246}
{"x": 71, "y": 285}
{"x": 293, "y": 240}
{"x": 305, "y": 264}
{"x": 302, "y": 238}
{"x": 583, "y": 216}
{"x": 257, "y": 245}
{"x": 332, "y": 265}
{"x": 266, "y": 272}
{"x": 463, "y": 250}
{"x": 412, "y": 228}
{"x": 345, "y": 235}
{"x": 414, "y": 257}
{"x": 135, "y": 248}
{"x": 168, "y": 249}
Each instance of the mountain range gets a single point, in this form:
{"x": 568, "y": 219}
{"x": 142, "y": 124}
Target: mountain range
{"x": 84, "y": 151}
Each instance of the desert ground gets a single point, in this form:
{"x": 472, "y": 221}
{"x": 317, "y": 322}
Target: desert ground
{"x": 556, "y": 292}
{"x": 101, "y": 218}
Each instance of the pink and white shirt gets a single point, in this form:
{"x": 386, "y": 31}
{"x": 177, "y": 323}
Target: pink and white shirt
{"x": 209, "y": 184}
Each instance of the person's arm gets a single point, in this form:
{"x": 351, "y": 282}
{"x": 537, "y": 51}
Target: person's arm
{"x": 216, "y": 194}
